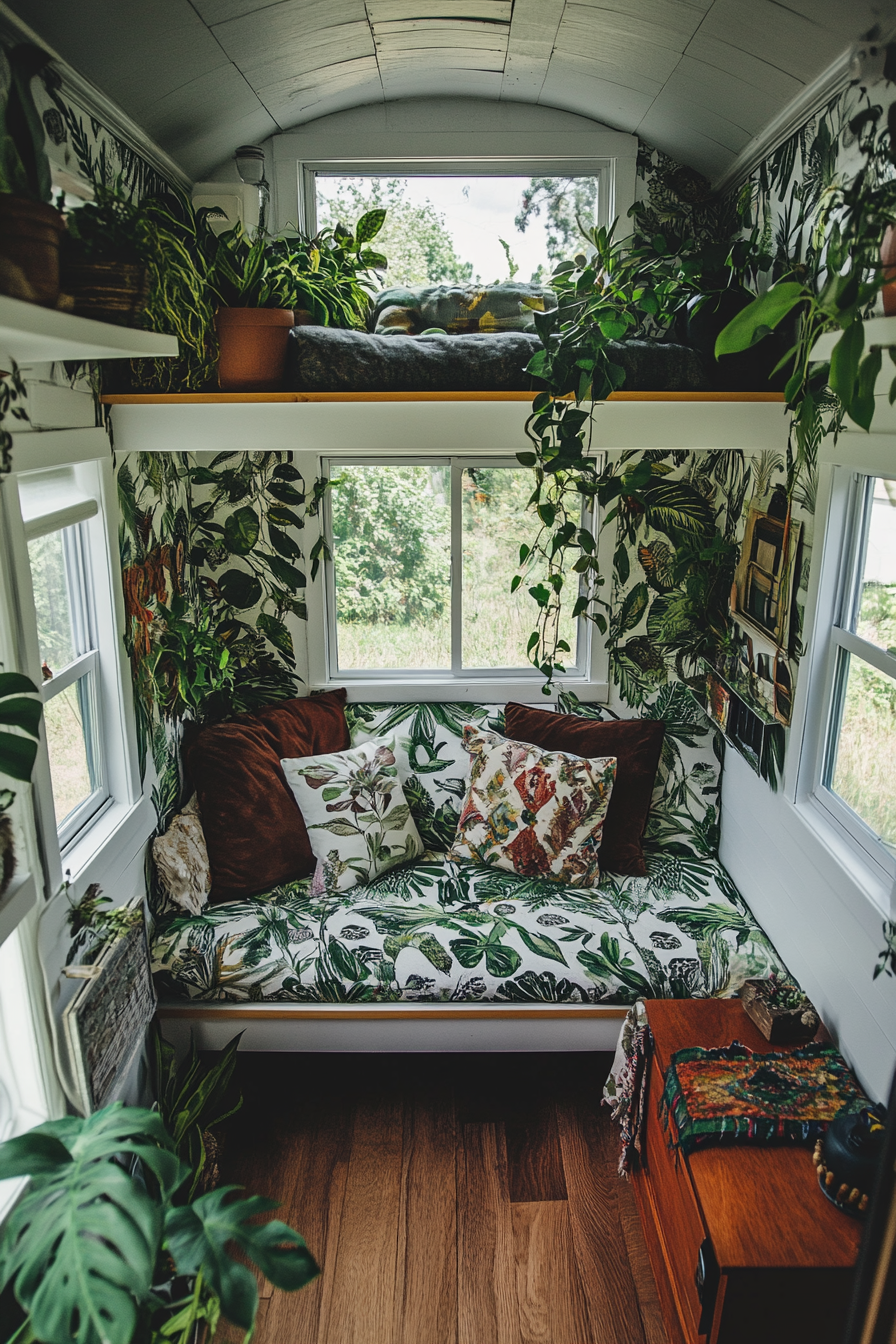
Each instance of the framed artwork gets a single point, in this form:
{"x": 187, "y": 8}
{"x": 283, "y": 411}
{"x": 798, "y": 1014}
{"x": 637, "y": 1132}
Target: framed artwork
{"x": 763, "y": 584}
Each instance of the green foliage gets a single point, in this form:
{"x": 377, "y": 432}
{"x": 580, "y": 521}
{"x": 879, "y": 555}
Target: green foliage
{"x": 93, "y": 920}
{"x": 20, "y": 710}
{"x": 210, "y": 558}
{"x": 327, "y": 276}
{"x": 12, "y": 390}
{"x": 193, "y": 1098}
{"x": 415, "y": 238}
{"x": 109, "y": 228}
{"x": 86, "y": 1246}
{"x": 887, "y": 958}
{"x": 564, "y": 201}
{"x": 391, "y": 540}
{"x": 24, "y": 166}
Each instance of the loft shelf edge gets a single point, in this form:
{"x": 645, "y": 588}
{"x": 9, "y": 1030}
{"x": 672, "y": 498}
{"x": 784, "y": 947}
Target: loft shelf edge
{"x": 250, "y": 398}
{"x": 30, "y": 334}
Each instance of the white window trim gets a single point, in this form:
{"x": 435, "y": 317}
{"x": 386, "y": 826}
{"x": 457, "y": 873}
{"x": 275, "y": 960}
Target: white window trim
{"x": 851, "y": 843}
{"x": 74, "y": 850}
{"x": 313, "y": 636}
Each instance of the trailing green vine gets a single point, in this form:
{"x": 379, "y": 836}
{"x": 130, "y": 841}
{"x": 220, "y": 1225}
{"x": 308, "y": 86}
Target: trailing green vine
{"x": 12, "y": 392}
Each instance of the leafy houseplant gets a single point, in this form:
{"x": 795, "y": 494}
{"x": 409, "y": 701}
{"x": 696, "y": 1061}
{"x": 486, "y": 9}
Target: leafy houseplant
{"x": 193, "y": 1100}
{"x": 18, "y": 709}
{"x": 105, "y": 258}
{"x": 30, "y": 229}
{"x": 262, "y": 286}
{"x": 100, "y": 1249}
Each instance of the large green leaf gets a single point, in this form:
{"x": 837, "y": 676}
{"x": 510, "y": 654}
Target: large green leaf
{"x": 241, "y": 530}
{"x": 18, "y": 712}
{"x": 17, "y": 756}
{"x": 197, "y": 1236}
{"x": 239, "y": 589}
{"x": 368, "y": 226}
{"x": 81, "y": 1245}
{"x": 674, "y": 507}
{"x": 541, "y": 944}
{"x": 285, "y": 573}
{"x": 284, "y": 544}
{"x": 759, "y": 318}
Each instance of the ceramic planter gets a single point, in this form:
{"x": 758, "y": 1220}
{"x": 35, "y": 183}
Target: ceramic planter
{"x": 30, "y": 233}
{"x": 253, "y": 348}
{"x": 107, "y": 291}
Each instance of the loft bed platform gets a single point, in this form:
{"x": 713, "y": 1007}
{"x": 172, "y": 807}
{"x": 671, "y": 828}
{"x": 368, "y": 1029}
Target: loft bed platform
{"x": 260, "y": 398}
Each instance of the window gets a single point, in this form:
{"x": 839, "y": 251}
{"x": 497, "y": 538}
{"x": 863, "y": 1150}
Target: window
{"x": 858, "y": 764}
{"x": 423, "y": 552}
{"x": 466, "y": 228}
{"x": 66, "y": 630}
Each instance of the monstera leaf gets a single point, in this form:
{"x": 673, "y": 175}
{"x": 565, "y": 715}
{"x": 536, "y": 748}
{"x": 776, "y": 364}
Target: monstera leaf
{"x": 81, "y": 1246}
{"x": 17, "y": 753}
{"x": 197, "y": 1235}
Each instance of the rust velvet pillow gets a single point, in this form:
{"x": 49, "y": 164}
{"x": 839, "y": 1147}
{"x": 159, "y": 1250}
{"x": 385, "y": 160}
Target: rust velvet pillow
{"x": 636, "y": 744}
{"x": 253, "y": 828}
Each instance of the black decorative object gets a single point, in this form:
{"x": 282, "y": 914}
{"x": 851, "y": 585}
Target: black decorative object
{"x": 848, "y": 1158}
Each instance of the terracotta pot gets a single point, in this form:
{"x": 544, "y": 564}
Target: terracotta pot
{"x": 253, "y": 348}
{"x": 107, "y": 291}
{"x": 30, "y": 233}
{"x": 888, "y": 261}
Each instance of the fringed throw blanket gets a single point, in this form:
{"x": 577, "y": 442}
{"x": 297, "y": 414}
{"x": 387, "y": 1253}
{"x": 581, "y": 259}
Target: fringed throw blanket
{"x": 624, "y": 1091}
{"x": 735, "y": 1096}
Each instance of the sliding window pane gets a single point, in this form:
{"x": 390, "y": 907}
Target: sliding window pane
{"x": 865, "y": 765}
{"x": 877, "y": 610}
{"x": 70, "y": 719}
{"x": 392, "y": 567}
{"x": 496, "y": 623}
{"x": 52, "y": 599}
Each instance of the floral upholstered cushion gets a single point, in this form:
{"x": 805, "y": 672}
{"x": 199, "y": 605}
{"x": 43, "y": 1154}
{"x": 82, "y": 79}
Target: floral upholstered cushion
{"x": 355, "y": 811}
{"x": 533, "y": 812}
{"x": 441, "y": 931}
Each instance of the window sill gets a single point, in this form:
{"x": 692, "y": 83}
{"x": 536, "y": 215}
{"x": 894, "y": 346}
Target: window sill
{"x": 475, "y": 690}
{"x": 875, "y": 883}
{"x": 117, "y": 833}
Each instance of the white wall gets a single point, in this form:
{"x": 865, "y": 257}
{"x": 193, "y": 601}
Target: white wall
{"x": 821, "y": 905}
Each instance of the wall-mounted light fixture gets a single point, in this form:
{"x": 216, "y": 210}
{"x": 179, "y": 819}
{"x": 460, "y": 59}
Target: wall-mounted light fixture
{"x": 249, "y": 161}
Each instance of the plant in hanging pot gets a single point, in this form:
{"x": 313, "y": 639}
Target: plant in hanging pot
{"x": 267, "y": 286}
{"x": 30, "y": 229}
{"x": 105, "y": 256}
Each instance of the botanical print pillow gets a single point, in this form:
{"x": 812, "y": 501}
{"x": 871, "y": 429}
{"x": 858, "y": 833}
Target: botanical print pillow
{"x": 534, "y": 812}
{"x": 355, "y": 811}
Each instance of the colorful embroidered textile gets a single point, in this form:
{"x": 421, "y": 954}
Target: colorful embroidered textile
{"x": 624, "y": 1091}
{"x": 733, "y": 1095}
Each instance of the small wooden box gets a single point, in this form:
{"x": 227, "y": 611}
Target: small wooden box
{"x": 779, "y": 1026}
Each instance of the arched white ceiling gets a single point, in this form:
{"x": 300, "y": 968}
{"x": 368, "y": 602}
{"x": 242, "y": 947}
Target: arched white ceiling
{"x": 696, "y": 78}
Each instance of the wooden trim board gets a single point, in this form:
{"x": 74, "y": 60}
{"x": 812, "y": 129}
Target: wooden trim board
{"x": 231, "y": 398}
{"x": 410, "y": 1013}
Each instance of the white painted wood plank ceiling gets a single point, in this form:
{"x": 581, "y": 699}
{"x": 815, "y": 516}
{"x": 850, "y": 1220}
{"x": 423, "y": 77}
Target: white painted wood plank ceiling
{"x": 696, "y": 78}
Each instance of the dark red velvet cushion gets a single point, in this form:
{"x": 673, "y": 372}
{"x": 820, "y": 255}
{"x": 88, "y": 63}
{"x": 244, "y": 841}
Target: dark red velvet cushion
{"x": 254, "y": 831}
{"x": 636, "y": 744}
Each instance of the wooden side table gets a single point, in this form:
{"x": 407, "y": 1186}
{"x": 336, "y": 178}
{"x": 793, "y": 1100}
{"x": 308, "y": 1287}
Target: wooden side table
{"x": 743, "y": 1244}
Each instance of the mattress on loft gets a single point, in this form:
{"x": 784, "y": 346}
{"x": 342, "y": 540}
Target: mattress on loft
{"x": 333, "y": 359}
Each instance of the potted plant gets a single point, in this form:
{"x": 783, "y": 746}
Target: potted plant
{"x": 18, "y": 709}
{"x": 267, "y": 286}
{"x": 105, "y": 256}
{"x": 105, "y": 1246}
{"x": 780, "y": 1009}
{"x": 30, "y": 229}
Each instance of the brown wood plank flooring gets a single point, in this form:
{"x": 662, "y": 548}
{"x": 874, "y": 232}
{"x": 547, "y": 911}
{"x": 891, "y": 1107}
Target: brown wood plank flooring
{"x": 450, "y": 1199}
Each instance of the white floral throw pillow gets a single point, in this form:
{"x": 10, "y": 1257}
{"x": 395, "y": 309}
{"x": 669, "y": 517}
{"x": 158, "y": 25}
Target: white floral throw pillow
{"x": 354, "y": 808}
{"x": 537, "y": 813}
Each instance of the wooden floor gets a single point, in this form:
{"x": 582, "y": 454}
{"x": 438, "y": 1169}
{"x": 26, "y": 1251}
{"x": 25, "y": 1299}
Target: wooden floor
{"x": 450, "y": 1199}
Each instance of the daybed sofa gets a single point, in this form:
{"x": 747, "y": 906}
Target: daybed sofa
{"x": 438, "y": 931}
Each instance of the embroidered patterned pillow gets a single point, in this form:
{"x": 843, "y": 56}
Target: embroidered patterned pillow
{"x": 536, "y": 813}
{"x": 355, "y": 812}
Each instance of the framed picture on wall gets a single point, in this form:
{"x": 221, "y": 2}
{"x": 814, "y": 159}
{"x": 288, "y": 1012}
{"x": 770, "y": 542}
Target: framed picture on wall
{"x": 763, "y": 583}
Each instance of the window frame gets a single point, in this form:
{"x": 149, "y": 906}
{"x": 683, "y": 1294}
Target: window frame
{"x": 603, "y": 167}
{"x": 124, "y": 819}
{"x": 456, "y": 676}
{"x": 846, "y": 538}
